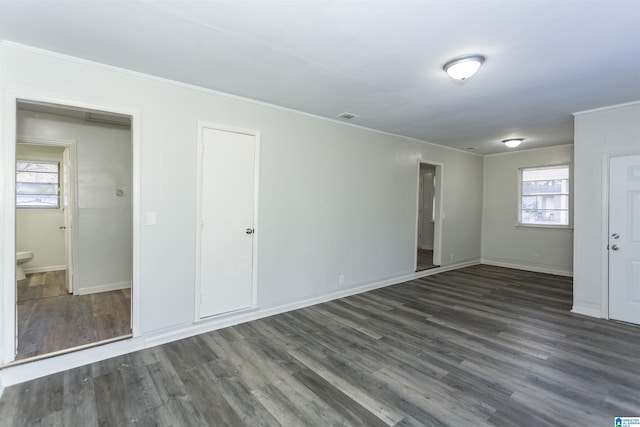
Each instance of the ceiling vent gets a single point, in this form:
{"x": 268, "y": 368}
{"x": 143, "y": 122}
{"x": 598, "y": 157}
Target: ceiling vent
{"x": 111, "y": 119}
{"x": 347, "y": 116}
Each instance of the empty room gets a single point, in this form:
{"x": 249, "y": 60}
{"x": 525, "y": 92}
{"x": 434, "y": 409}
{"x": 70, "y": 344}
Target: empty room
{"x": 287, "y": 213}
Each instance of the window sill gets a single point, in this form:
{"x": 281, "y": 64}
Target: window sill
{"x": 38, "y": 211}
{"x": 547, "y": 227}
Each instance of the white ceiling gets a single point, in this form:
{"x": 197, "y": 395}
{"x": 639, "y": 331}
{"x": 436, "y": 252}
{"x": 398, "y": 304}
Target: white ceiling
{"x": 381, "y": 60}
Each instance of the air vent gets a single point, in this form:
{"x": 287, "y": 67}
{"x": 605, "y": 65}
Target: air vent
{"x": 347, "y": 116}
{"x": 111, "y": 119}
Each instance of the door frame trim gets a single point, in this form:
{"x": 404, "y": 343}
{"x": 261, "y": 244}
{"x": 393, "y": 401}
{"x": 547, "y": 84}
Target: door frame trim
{"x": 202, "y": 124}
{"x": 7, "y": 212}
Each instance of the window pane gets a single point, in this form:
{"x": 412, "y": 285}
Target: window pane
{"x": 37, "y": 177}
{"x": 545, "y": 186}
{"x": 37, "y": 166}
{"x": 36, "y": 201}
{"x": 545, "y": 216}
{"x": 27, "y": 188}
{"x": 542, "y": 174}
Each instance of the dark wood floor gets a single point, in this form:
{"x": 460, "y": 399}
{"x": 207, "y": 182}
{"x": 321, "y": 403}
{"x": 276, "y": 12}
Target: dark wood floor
{"x": 473, "y": 347}
{"x": 425, "y": 259}
{"x": 50, "y": 320}
{"x": 42, "y": 285}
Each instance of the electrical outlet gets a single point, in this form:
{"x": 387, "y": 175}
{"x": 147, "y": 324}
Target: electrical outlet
{"x": 341, "y": 279}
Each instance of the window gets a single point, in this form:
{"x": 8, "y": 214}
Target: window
{"x": 544, "y": 196}
{"x": 37, "y": 184}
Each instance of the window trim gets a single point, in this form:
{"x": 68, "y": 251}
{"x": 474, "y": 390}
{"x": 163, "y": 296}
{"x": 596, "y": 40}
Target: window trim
{"x": 569, "y": 225}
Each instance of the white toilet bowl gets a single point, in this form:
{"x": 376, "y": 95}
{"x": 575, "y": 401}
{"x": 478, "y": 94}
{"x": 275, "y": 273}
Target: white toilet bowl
{"x": 21, "y": 258}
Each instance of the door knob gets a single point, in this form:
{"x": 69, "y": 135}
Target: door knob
{"x": 615, "y": 247}
{"x": 62, "y": 227}
{"x": 249, "y": 230}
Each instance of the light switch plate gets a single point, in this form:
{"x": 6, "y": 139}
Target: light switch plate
{"x": 151, "y": 218}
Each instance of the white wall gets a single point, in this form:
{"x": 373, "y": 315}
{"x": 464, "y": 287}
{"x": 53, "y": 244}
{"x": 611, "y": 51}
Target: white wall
{"x": 103, "y": 221}
{"x": 38, "y": 230}
{"x": 503, "y": 241}
{"x": 599, "y": 135}
{"x": 334, "y": 199}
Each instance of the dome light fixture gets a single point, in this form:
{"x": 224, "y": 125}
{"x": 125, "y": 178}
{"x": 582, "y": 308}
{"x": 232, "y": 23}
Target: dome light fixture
{"x": 464, "y": 67}
{"x": 513, "y": 142}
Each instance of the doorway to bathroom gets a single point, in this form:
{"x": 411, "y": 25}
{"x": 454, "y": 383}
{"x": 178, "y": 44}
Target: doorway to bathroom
{"x": 429, "y": 219}
{"x": 74, "y": 219}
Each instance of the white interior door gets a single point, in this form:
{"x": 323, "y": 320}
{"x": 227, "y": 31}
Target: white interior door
{"x": 624, "y": 239}
{"x": 67, "y": 204}
{"x": 227, "y": 173}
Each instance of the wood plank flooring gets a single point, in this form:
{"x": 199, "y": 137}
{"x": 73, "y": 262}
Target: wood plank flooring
{"x": 481, "y": 346}
{"x": 50, "y": 320}
{"x": 42, "y": 285}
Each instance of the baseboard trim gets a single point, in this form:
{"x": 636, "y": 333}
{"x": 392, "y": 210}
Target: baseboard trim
{"x": 536, "y": 269}
{"x": 585, "y": 311}
{"x": 44, "y": 269}
{"x": 104, "y": 288}
{"x": 15, "y": 374}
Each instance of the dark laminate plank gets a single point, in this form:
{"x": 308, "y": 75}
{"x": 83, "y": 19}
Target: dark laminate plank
{"x": 206, "y": 397}
{"x": 286, "y": 411}
{"x": 476, "y": 346}
{"x": 248, "y": 409}
{"x": 110, "y": 392}
{"x": 339, "y": 401}
{"x": 79, "y": 398}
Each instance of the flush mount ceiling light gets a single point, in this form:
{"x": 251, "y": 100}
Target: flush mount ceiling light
{"x": 513, "y": 142}
{"x": 464, "y": 67}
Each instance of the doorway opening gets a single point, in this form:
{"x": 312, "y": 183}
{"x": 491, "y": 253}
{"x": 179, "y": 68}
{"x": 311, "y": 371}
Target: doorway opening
{"x": 429, "y": 230}
{"x": 74, "y": 219}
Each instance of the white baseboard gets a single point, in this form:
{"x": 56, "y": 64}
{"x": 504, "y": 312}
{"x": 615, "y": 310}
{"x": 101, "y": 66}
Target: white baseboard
{"x": 104, "y": 288}
{"x": 587, "y": 311}
{"x": 44, "y": 269}
{"x": 18, "y": 373}
{"x": 534, "y": 268}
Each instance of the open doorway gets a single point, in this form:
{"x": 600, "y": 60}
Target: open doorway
{"x": 73, "y": 228}
{"x": 428, "y": 228}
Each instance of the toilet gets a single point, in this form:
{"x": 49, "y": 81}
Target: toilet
{"x": 21, "y": 258}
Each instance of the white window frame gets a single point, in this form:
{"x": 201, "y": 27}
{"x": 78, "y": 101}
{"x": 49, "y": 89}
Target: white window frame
{"x": 58, "y": 195}
{"x": 569, "y": 195}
